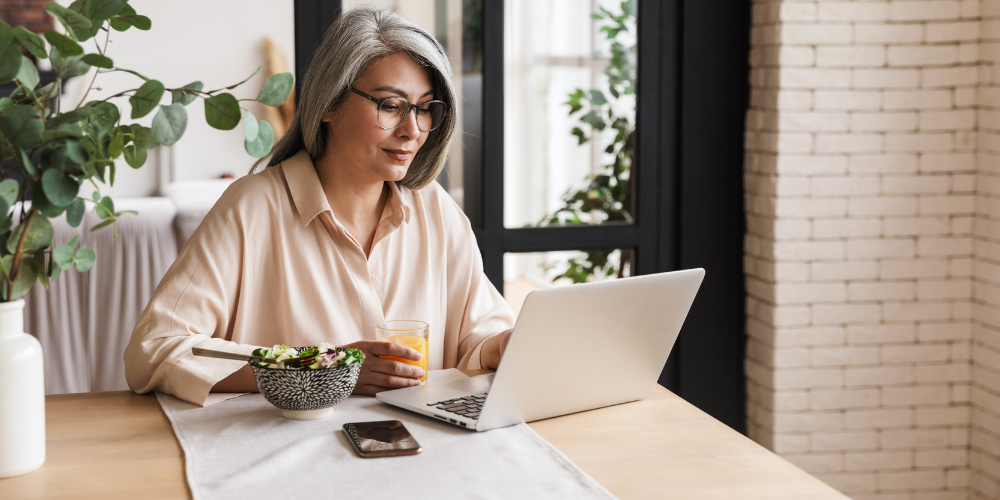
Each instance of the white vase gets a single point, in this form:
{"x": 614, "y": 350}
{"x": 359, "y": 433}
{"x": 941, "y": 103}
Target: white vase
{"x": 22, "y": 395}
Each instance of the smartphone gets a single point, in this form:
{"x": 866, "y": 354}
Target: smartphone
{"x": 386, "y": 438}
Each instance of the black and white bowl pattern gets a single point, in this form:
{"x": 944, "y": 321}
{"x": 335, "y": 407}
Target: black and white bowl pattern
{"x": 306, "y": 390}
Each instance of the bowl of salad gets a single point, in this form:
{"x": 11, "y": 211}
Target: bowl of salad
{"x": 306, "y": 382}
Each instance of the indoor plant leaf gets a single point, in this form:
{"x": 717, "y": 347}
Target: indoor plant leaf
{"x": 65, "y": 44}
{"x": 99, "y": 61}
{"x": 8, "y": 191}
{"x": 85, "y": 258}
{"x": 10, "y": 63}
{"x": 135, "y": 156}
{"x": 41, "y": 203}
{"x": 62, "y": 255}
{"x": 39, "y": 235}
{"x": 143, "y": 137}
{"x": 68, "y": 67}
{"x": 27, "y": 75}
{"x": 26, "y": 162}
{"x": 21, "y": 125}
{"x": 31, "y": 41}
{"x": 276, "y": 89}
{"x": 140, "y": 22}
{"x": 59, "y": 188}
{"x": 184, "y": 96}
{"x": 70, "y": 19}
{"x": 169, "y": 123}
{"x": 6, "y": 34}
{"x": 73, "y": 116}
{"x": 120, "y": 22}
{"x": 38, "y": 264}
{"x": 24, "y": 281}
{"x": 105, "y": 207}
{"x": 75, "y": 211}
{"x": 146, "y": 98}
{"x": 100, "y": 10}
{"x": 107, "y": 115}
{"x": 222, "y": 111}
{"x": 250, "y": 127}
{"x": 261, "y": 146}
{"x": 116, "y": 145}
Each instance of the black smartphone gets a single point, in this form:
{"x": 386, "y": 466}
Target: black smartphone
{"x": 386, "y": 438}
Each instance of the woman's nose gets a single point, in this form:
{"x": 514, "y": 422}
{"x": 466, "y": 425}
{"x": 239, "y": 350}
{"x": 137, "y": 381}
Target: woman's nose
{"x": 408, "y": 128}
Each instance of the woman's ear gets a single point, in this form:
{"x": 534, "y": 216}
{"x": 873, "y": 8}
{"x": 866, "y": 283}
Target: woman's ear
{"x": 328, "y": 116}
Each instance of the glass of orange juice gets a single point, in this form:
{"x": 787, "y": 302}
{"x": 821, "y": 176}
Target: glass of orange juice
{"x": 412, "y": 334}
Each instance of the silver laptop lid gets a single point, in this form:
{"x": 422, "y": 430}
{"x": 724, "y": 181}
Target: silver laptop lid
{"x": 587, "y": 346}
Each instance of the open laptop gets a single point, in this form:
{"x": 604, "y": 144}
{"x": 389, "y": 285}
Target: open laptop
{"x": 573, "y": 349}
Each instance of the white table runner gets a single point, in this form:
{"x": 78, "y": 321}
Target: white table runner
{"x": 242, "y": 448}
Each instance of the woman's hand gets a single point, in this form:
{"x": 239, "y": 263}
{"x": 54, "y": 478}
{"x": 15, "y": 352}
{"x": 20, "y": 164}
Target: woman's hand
{"x": 492, "y": 351}
{"x": 378, "y": 374}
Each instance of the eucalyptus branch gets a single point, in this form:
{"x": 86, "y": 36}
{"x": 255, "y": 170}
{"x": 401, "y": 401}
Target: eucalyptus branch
{"x": 94, "y": 79}
{"x": 15, "y": 265}
{"x": 124, "y": 92}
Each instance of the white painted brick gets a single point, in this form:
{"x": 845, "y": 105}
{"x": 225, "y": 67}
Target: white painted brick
{"x": 791, "y": 443}
{"x": 915, "y": 438}
{"x": 968, "y": 53}
{"x": 921, "y": 55}
{"x": 949, "y": 77}
{"x": 932, "y": 332}
{"x": 818, "y": 79}
{"x": 884, "y": 205}
{"x": 854, "y": 377}
{"x": 888, "y": 33}
{"x": 841, "y": 228}
{"x": 814, "y": 463}
{"x": 883, "y": 460}
{"x": 964, "y": 31}
{"x": 863, "y": 292}
{"x": 849, "y": 483}
{"x": 947, "y": 162}
{"x": 916, "y": 396}
{"x": 805, "y": 293}
{"x": 811, "y": 336}
{"x": 809, "y": 250}
{"x": 795, "y": 164}
{"x": 848, "y": 143}
{"x": 913, "y": 268}
{"x": 879, "y": 334}
{"x": 956, "y": 415}
{"x": 850, "y": 56}
{"x": 887, "y": 79}
{"x": 951, "y": 289}
{"x": 878, "y": 419}
{"x": 948, "y": 120}
{"x": 947, "y": 204}
{"x": 916, "y": 99}
{"x": 813, "y": 121}
{"x": 883, "y": 163}
{"x": 928, "y": 142}
{"x": 844, "y": 356}
{"x": 952, "y": 372}
{"x": 924, "y": 10}
{"x": 915, "y": 353}
{"x": 922, "y": 311}
{"x": 843, "y": 270}
{"x": 916, "y": 226}
{"x": 808, "y": 422}
{"x": 847, "y": 99}
{"x": 853, "y": 11}
{"x": 834, "y": 186}
{"x": 911, "y": 184}
{"x": 820, "y": 207}
{"x": 922, "y": 479}
{"x": 846, "y": 314}
{"x": 816, "y": 34}
{"x": 865, "y": 122}
{"x": 793, "y": 11}
{"x": 877, "y": 248}
{"x": 843, "y": 399}
{"x": 941, "y": 458}
{"x": 843, "y": 441}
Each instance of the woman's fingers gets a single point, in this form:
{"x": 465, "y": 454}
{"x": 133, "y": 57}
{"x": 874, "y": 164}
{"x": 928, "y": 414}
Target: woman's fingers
{"x": 391, "y": 349}
{"x": 391, "y": 367}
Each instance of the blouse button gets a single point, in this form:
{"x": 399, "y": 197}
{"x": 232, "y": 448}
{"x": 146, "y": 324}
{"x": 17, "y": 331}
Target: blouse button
{"x": 374, "y": 279}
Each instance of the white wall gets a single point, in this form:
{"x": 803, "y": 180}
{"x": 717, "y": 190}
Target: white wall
{"x": 219, "y": 42}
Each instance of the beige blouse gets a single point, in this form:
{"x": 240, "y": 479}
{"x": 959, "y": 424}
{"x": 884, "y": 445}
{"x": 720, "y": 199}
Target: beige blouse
{"x": 270, "y": 264}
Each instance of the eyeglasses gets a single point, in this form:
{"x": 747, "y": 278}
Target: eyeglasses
{"x": 393, "y": 110}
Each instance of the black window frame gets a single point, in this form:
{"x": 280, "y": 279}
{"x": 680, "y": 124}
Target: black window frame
{"x": 692, "y": 97}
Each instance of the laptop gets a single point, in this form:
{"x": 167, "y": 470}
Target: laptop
{"x": 573, "y": 349}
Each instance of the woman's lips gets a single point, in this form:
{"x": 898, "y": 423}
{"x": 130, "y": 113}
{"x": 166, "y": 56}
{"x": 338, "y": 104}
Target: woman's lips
{"x": 398, "y": 154}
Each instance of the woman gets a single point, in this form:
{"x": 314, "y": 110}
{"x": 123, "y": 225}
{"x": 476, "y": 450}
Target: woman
{"x": 344, "y": 229}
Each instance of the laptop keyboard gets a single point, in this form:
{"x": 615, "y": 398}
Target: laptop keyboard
{"x": 467, "y": 406}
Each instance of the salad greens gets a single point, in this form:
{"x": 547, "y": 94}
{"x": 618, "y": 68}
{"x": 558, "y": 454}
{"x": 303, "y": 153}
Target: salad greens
{"x": 310, "y": 358}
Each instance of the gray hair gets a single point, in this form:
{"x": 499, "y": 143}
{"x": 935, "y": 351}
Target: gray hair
{"x": 353, "y": 41}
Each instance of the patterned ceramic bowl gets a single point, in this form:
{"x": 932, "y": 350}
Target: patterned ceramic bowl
{"x": 306, "y": 394}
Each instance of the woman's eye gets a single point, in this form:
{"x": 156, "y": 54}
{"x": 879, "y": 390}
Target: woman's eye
{"x": 390, "y": 107}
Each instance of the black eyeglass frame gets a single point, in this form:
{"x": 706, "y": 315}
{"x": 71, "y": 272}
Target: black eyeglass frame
{"x": 410, "y": 107}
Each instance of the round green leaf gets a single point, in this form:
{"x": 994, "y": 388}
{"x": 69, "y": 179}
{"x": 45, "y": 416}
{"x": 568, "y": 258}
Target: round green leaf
{"x": 143, "y": 137}
{"x": 65, "y": 44}
{"x": 261, "y": 146}
{"x": 105, "y": 207}
{"x": 184, "y": 96}
{"x": 60, "y": 189}
{"x": 169, "y": 123}
{"x": 276, "y": 89}
{"x": 146, "y": 98}
{"x": 117, "y": 145}
{"x": 39, "y": 235}
{"x": 41, "y": 202}
{"x": 135, "y": 156}
{"x": 73, "y": 116}
{"x": 31, "y": 41}
{"x": 9, "y": 190}
{"x": 85, "y": 258}
{"x": 68, "y": 67}
{"x": 74, "y": 212}
{"x": 118, "y": 22}
{"x": 222, "y": 111}
{"x": 99, "y": 10}
{"x": 250, "y": 127}
{"x": 6, "y": 34}
{"x": 62, "y": 255}
{"x": 72, "y": 20}
{"x": 10, "y": 63}
{"x": 28, "y": 74}
{"x": 140, "y": 22}
{"x": 107, "y": 115}
{"x": 99, "y": 61}
{"x": 24, "y": 281}
{"x": 21, "y": 125}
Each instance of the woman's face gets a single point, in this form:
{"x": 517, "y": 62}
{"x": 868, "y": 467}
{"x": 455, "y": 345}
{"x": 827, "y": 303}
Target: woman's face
{"x": 355, "y": 137}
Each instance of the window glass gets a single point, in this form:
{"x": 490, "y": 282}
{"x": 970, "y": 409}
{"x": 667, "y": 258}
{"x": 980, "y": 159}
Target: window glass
{"x": 569, "y": 111}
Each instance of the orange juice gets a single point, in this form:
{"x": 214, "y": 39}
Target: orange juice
{"x": 418, "y": 344}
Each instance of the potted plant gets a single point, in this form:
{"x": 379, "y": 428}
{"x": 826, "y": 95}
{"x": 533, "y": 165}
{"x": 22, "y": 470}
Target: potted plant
{"x": 49, "y": 149}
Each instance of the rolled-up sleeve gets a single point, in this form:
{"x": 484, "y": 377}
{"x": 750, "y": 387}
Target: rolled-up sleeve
{"x": 192, "y": 307}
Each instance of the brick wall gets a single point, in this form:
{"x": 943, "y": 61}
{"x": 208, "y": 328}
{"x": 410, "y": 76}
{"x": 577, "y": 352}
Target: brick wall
{"x": 861, "y": 177}
{"x": 28, "y": 13}
{"x": 985, "y": 424}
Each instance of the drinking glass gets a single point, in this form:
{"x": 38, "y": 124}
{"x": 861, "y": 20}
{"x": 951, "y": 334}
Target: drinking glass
{"x": 412, "y": 334}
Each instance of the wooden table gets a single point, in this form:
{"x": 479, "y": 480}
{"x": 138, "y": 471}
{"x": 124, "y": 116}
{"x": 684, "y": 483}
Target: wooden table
{"x": 119, "y": 445}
